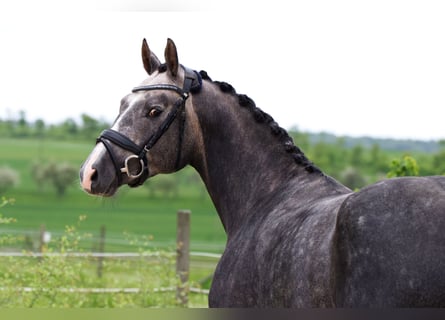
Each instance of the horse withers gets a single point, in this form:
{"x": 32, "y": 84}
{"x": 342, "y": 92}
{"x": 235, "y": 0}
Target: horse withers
{"x": 295, "y": 236}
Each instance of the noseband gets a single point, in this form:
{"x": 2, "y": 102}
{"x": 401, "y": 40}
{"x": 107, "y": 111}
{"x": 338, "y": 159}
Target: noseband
{"x": 192, "y": 83}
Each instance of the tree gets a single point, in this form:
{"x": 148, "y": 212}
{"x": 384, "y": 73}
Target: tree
{"x": 22, "y": 119}
{"x": 69, "y": 127}
{"x": 352, "y": 178}
{"x": 406, "y": 166}
{"x": 39, "y": 173}
{"x": 59, "y": 175}
{"x": 22, "y": 128}
{"x": 90, "y": 126}
{"x": 357, "y": 155}
{"x": 63, "y": 176}
{"x": 438, "y": 160}
{"x": 9, "y": 178}
{"x": 39, "y": 127}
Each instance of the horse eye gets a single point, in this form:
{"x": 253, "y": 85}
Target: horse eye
{"x": 154, "y": 112}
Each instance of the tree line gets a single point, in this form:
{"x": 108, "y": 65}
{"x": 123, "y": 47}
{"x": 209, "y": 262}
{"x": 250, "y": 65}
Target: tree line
{"x": 87, "y": 128}
{"x": 357, "y": 166}
{"x": 353, "y": 165}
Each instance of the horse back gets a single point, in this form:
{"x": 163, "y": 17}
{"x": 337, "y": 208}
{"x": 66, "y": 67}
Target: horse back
{"x": 390, "y": 244}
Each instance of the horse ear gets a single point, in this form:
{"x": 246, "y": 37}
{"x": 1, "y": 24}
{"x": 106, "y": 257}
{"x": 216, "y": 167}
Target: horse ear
{"x": 151, "y": 62}
{"x": 171, "y": 57}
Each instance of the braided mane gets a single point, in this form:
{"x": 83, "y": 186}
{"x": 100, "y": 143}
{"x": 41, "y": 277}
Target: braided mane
{"x": 262, "y": 117}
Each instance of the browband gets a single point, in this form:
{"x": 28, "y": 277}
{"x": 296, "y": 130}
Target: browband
{"x": 192, "y": 84}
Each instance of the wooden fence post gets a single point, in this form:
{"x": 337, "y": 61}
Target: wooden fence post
{"x": 183, "y": 256}
{"x": 100, "y": 259}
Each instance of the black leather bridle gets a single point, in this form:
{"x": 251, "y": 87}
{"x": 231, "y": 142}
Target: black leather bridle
{"x": 192, "y": 83}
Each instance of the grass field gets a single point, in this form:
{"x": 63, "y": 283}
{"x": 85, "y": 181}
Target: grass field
{"x": 141, "y": 281}
{"x": 135, "y": 220}
{"x": 131, "y": 214}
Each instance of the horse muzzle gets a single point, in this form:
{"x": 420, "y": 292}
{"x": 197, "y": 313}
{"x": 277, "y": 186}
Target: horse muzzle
{"x": 97, "y": 176}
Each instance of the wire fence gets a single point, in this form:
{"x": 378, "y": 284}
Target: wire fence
{"x": 182, "y": 254}
{"x": 107, "y": 290}
{"x": 117, "y": 255}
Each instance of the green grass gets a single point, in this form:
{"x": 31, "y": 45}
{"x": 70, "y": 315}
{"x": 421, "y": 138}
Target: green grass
{"x": 55, "y": 280}
{"x": 50, "y": 277}
{"x": 133, "y": 219}
{"x": 131, "y": 213}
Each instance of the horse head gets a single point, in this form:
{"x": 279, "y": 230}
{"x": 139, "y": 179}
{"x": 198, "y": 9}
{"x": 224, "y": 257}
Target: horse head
{"x": 150, "y": 135}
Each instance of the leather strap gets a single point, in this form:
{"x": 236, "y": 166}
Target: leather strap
{"x": 121, "y": 140}
{"x": 192, "y": 83}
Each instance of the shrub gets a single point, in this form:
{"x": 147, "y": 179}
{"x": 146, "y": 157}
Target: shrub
{"x": 59, "y": 175}
{"x": 58, "y": 280}
{"x": 406, "y": 166}
{"x": 352, "y": 178}
{"x": 6, "y": 239}
{"x": 9, "y": 178}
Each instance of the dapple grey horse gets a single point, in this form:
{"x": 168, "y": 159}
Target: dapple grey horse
{"x": 295, "y": 236}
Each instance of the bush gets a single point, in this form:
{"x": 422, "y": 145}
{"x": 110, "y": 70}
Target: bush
{"x": 63, "y": 175}
{"x": 352, "y": 178}
{"x": 59, "y": 175}
{"x": 406, "y": 166}
{"x": 58, "y": 280}
{"x": 165, "y": 185}
{"x": 6, "y": 239}
{"x": 9, "y": 178}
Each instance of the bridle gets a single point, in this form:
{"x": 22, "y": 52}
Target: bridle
{"x": 192, "y": 83}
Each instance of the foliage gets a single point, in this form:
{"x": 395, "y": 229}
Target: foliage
{"x": 130, "y": 210}
{"x": 406, "y": 166}
{"x": 339, "y": 157}
{"x": 58, "y": 280}
{"x": 63, "y": 175}
{"x": 18, "y": 127}
{"x": 59, "y": 175}
{"x": 352, "y": 178}
{"x": 9, "y": 178}
{"x": 3, "y": 202}
{"x": 439, "y": 159}
{"x": 6, "y": 239}
{"x": 163, "y": 185}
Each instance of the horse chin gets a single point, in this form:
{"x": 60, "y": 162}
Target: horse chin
{"x": 109, "y": 193}
{"x": 133, "y": 185}
{"x": 139, "y": 181}
{"x": 136, "y": 183}
{"x": 105, "y": 194}
{"x": 108, "y": 190}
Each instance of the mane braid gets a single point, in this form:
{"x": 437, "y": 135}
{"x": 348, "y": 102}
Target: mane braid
{"x": 262, "y": 117}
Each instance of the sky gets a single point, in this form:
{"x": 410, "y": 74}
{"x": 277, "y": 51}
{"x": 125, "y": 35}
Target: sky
{"x": 373, "y": 68}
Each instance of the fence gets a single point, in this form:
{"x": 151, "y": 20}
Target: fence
{"x": 182, "y": 253}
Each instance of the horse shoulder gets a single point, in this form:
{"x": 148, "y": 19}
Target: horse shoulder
{"x": 284, "y": 259}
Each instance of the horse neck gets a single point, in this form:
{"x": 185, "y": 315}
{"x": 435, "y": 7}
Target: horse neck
{"x": 242, "y": 162}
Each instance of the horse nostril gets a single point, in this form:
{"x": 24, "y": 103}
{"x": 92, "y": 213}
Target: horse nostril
{"x": 95, "y": 175}
{"x": 88, "y": 176}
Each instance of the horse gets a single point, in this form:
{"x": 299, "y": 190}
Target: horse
{"x": 296, "y": 237}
